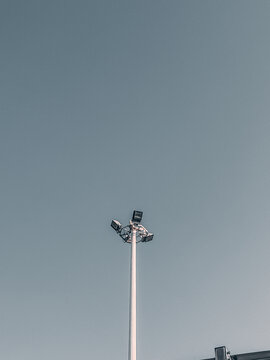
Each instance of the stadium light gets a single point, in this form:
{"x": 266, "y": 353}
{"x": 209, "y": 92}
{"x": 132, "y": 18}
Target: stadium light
{"x": 137, "y": 216}
{"x": 116, "y": 225}
{"x": 148, "y": 237}
{"x": 133, "y": 233}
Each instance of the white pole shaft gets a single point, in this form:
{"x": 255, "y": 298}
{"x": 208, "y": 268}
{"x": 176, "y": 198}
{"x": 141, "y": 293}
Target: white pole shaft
{"x": 132, "y": 325}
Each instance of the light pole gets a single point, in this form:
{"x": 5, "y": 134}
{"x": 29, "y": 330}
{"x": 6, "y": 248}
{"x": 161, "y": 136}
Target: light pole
{"x": 132, "y": 233}
{"x": 132, "y": 320}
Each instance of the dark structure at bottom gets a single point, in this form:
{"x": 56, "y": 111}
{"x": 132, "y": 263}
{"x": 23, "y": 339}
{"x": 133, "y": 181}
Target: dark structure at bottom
{"x": 221, "y": 353}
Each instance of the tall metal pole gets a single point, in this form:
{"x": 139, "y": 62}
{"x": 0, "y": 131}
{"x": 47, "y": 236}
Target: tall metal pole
{"x": 132, "y": 233}
{"x": 132, "y": 324}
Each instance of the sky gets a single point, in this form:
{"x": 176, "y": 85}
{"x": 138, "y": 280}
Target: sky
{"x": 111, "y": 106}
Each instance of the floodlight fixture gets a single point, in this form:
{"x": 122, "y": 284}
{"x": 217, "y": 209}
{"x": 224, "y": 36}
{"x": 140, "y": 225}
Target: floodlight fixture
{"x": 137, "y": 216}
{"x": 116, "y": 225}
{"x": 147, "y": 237}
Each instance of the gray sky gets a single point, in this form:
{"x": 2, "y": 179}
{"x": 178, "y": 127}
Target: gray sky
{"x": 110, "y": 106}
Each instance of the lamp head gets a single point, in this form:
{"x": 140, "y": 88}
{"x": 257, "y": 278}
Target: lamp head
{"x": 147, "y": 237}
{"x": 116, "y": 225}
{"x": 137, "y": 216}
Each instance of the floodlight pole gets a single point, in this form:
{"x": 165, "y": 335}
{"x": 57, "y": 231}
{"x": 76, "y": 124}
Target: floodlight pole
{"x": 132, "y": 233}
{"x": 132, "y": 321}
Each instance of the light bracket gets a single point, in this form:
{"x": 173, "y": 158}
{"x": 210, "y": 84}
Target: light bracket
{"x": 125, "y": 232}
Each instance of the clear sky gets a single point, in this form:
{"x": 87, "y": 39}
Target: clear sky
{"x": 109, "y": 106}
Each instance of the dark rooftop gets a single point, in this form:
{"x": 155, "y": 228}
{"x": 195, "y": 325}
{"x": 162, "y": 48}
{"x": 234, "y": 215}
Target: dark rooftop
{"x": 259, "y": 355}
